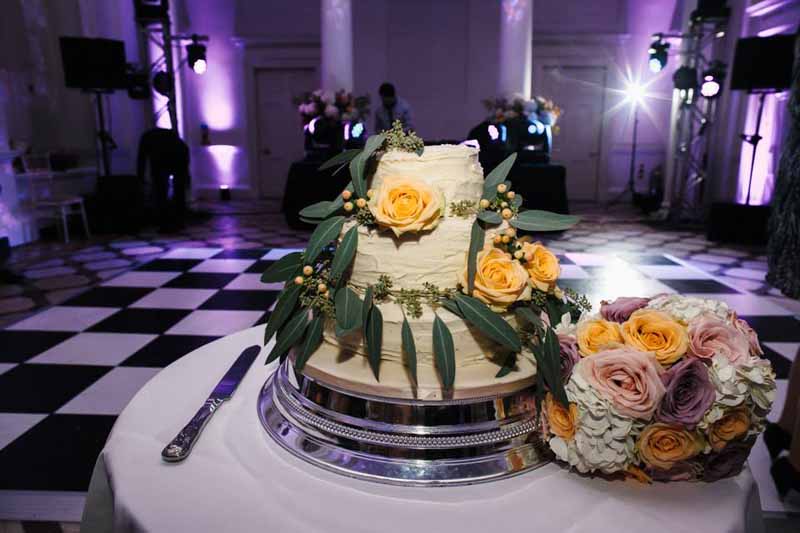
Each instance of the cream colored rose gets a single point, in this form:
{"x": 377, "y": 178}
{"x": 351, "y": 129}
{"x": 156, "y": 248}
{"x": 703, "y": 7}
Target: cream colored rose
{"x": 499, "y": 280}
{"x": 406, "y": 205}
{"x": 541, "y": 264}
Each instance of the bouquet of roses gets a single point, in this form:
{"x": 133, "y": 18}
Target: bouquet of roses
{"x": 341, "y": 105}
{"x": 669, "y": 388}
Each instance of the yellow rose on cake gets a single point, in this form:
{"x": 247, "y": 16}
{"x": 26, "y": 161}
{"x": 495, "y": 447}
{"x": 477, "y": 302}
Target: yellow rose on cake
{"x": 656, "y": 332}
{"x": 406, "y": 205}
{"x": 541, "y": 264}
{"x": 499, "y": 280}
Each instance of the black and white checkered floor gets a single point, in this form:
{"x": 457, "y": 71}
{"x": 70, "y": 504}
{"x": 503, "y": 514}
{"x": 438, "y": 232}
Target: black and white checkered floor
{"x": 68, "y": 371}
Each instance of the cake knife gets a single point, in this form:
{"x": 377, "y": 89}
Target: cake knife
{"x": 181, "y": 445}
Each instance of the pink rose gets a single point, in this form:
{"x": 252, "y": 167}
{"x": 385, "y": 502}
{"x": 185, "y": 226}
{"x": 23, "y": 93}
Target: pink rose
{"x": 751, "y": 336}
{"x": 709, "y": 336}
{"x": 630, "y": 379}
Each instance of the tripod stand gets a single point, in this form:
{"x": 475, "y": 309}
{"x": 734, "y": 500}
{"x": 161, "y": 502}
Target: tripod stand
{"x": 629, "y": 188}
{"x": 103, "y": 136}
{"x": 753, "y": 140}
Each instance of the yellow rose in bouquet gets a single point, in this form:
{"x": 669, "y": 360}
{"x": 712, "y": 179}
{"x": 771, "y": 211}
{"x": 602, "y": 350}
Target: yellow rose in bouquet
{"x": 732, "y": 425}
{"x": 541, "y": 264}
{"x": 596, "y": 334}
{"x": 562, "y": 421}
{"x": 657, "y": 333}
{"x": 499, "y": 280}
{"x": 661, "y": 445}
{"x": 406, "y": 205}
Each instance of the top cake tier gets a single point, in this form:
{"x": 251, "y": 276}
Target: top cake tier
{"x": 433, "y": 256}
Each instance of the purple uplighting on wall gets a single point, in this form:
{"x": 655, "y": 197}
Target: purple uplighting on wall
{"x": 223, "y": 156}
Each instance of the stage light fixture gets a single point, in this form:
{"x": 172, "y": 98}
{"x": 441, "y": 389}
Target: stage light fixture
{"x": 162, "y": 83}
{"x": 713, "y": 78}
{"x": 658, "y": 54}
{"x": 357, "y": 130}
{"x": 685, "y": 78}
{"x": 494, "y": 133}
{"x": 196, "y": 55}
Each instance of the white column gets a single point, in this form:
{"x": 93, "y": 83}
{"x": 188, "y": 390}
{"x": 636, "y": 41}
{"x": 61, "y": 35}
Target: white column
{"x": 337, "y": 45}
{"x": 516, "y": 53}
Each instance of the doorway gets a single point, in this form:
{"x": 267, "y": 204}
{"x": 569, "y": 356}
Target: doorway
{"x": 579, "y": 90}
{"x": 279, "y": 129}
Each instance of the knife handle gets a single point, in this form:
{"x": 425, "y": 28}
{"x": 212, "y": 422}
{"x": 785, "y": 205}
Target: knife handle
{"x": 181, "y": 445}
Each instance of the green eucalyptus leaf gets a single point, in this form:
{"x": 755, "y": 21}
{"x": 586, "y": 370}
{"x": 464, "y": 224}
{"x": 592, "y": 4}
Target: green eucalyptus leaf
{"x": 373, "y": 143}
{"x": 340, "y": 159}
{"x": 344, "y": 253}
{"x": 452, "y": 306}
{"x": 357, "y": 169}
{"x": 367, "y": 306}
{"x": 409, "y": 349}
{"x": 476, "y": 240}
{"x": 420, "y": 151}
{"x": 488, "y": 322}
{"x": 548, "y": 360}
{"x": 283, "y": 269}
{"x": 348, "y": 308}
{"x": 490, "y": 217}
{"x": 498, "y": 176}
{"x": 527, "y": 314}
{"x": 318, "y": 210}
{"x": 289, "y": 335}
{"x": 516, "y": 202}
{"x": 509, "y": 362}
{"x": 535, "y": 220}
{"x": 326, "y": 232}
{"x": 444, "y": 353}
{"x": 374, "y": 338}
{"x": 311, "y": 341}
{"x": 312, "y": 221}
{"x": 287, "y": 302}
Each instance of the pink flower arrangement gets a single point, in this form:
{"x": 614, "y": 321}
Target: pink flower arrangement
{"x": 634, "y": 412}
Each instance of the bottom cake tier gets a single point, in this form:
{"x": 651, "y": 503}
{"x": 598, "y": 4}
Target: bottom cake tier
{"x": 403, "y": 442}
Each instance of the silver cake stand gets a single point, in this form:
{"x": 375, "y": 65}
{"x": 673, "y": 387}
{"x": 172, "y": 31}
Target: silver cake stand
{"x": 401, "y": 442}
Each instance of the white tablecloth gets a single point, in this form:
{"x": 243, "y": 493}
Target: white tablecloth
{"x": 237, "y": 479}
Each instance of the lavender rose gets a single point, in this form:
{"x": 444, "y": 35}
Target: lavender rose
{"x": 569, "y": 355}
{"x": 709, "y": 336}
{"x": 689, "y": 394}
{"x": 727, "y": 462}
{"x": 621, "y": 309}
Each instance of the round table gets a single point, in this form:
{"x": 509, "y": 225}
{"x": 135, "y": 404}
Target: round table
{"x": 238, "y": 479}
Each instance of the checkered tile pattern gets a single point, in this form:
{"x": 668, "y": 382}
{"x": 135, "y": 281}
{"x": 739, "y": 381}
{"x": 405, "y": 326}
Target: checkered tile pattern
{"x": 68, "y": 371}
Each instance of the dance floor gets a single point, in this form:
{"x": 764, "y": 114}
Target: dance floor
{"x": 68, "y": 370}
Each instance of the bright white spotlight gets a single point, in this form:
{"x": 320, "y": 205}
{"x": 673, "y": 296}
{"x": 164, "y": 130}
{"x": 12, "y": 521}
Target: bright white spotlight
{"x": 710, "y": 87}
{"x": 493, "y": 132}
{"x": 655, "y": 65}
{"x": 634, "y": 93}
{"x": 357, "y": 130}
{"x": 200, "y": 66}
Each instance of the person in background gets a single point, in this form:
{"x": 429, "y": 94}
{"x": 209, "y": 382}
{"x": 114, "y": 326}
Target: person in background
{"x": 392, "y": 108}
{"x": 785, "y": 436}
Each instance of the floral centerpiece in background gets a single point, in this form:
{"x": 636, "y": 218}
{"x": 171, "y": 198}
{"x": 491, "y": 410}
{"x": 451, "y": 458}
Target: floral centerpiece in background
{"x": 538, "y": 108}
{"x": 669, "y": 388}
{"x": 340, "y": 105}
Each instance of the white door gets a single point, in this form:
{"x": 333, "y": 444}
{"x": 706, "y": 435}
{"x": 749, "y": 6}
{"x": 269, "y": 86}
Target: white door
{"x": 280, "y": 131}
{"x": 578, "y": 90}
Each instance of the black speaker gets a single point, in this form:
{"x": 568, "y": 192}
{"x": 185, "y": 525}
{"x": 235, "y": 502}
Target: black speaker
{"x": 763, "y": 63}
{"x": 93, "y": 63}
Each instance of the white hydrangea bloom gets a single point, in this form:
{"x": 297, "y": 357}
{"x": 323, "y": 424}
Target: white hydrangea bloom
{"x": 604, "y": 440}
{"x": 685, "y": 308}
{"x": 731, "y": 389}
{"x": 759, "y": 377}
{"x": 566, "y": 327}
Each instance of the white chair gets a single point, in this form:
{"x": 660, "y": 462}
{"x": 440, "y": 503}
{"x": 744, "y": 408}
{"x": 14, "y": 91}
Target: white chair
{"x": 46, "y": 203}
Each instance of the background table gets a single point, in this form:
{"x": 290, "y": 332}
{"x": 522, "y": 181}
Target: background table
{"x": 306, "y": 185}
{"x": 238, "y": 479}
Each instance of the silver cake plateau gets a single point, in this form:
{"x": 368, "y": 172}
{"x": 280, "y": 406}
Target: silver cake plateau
{"x": 401, "y": 442}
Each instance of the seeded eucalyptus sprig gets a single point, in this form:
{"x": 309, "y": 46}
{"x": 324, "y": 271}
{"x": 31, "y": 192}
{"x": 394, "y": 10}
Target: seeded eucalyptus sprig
{"x": 463, "y": 208}
{"x": 397, "y": 139}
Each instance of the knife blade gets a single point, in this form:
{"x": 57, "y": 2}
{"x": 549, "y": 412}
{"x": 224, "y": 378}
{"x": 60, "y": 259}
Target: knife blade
{"x": 182, "y": 444}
